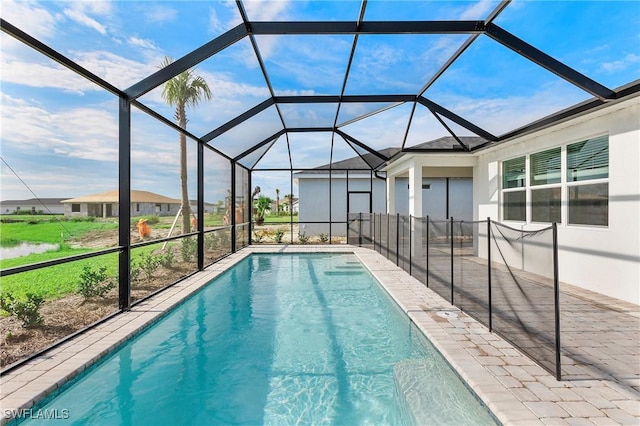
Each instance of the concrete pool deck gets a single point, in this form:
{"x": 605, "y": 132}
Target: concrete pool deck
{"x": 602, "y": 384}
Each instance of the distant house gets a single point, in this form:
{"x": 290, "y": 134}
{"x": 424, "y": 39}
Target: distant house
{"x": 105, "y": 204}
{"x": 34, "y": 205}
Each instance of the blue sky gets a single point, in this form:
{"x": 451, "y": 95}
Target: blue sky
{"x": 59, "y": 131}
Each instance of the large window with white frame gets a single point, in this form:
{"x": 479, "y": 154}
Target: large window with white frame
{"x": 533, "y": 186}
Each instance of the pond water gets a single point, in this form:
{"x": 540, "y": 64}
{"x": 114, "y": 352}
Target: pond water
{"x": 25, "y": 248}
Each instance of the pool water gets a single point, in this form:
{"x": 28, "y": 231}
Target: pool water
{"x": 279, "y": 340}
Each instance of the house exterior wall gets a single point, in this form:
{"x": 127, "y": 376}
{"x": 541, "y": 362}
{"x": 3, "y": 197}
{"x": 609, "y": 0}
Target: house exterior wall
{"x": 8, "y": 208}
{"x": 314, "y": 201}
{"x": 434, "y": 199}
{"x": 604, "y": 259}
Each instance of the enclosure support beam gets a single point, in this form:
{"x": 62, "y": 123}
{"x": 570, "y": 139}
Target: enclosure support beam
{"x": 232, "y": 206}
{"x": 124, "y": 200}
{"x": 558, "y": 68}
{"x": 200, "y": 223}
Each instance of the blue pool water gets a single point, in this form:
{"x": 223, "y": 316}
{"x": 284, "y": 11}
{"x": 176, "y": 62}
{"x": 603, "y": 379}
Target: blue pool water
{"x": 278, "y": 340}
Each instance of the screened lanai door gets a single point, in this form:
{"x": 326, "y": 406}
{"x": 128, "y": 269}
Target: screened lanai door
{"x": 359, "y": 202}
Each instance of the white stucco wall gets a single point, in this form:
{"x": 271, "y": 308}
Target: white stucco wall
{"x": 601, "y": 259}
{"x": 314, "y": 200}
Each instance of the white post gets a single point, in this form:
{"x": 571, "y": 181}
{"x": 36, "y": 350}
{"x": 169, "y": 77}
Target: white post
{"x": 415, "y": 189}
{"x": 391, "y": 194}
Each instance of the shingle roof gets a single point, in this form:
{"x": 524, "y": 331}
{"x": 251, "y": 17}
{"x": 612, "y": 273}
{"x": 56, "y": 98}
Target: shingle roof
{"x": 357, "y": 162}
{"x": 112, "y": 197}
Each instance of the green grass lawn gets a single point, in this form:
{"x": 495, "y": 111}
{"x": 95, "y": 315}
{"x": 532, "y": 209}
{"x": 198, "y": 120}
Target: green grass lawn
{"x": 48, "y": 232}
{"x": 279, "y": 219}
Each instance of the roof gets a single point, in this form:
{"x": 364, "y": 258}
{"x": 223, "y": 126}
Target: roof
{"x": 112, "y": 197}
{"x": 38, "y": 201}
{"x": 368, "y": 160}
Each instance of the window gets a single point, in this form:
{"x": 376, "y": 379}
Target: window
{"x": 533, "y": 186}
{"x": 513, "y": 173}
{"x": 137, "y": 207}
{"x": 513, "y": 182}
{"x": 588, "y": 188}
{"x": 515, "y": 205}
{"x": 545, "y": 167}
{"x": 546, "y": 205}
{"x": 75, "y": 208}
{"x": 158, "y": 208}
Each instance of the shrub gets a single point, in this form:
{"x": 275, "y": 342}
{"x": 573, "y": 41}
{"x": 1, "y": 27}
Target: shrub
{"x": 189, "y": 249}
{"x": 25, "y": 310}
{"x": 166, "y": 259}
{"x": 258, "y": 236}
{"x": 303, "y": 237}
{"x": 151, "y": 219}
{"x": 324, "y": 238}
{"x": 135, "y": 271}
{"x": 149, "y": 263}
{"x": 225, "y": 239}
{"x": 210, "y": 241}
{"x": 278, "y": 236}
{"x": 94, "y": 283}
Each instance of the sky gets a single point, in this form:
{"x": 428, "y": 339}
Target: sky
{"x": 59, "y": 131}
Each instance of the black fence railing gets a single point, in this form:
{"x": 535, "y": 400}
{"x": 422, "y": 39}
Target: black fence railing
{"x": 505, "y": 278}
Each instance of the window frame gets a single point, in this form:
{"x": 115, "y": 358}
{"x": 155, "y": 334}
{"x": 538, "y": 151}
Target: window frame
{"x": 564, "y": 184}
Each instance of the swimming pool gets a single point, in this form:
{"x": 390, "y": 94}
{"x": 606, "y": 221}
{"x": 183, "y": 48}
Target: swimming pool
{"x": 277, "y": 339}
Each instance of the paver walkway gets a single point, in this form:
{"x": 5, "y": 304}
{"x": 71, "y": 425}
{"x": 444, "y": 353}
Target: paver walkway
{"x": 601, "y": 354}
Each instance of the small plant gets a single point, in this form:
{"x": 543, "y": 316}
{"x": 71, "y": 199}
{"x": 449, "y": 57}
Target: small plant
{"x": 188, "y": 249}
{"x": 94, "y": 283}
{"x": 25, "y": 310}
{"x": 135, "y": 271}
{"x": 324, "y": 238}
{"x": 166, "y": 260}
{"x": 257, "y": 236}
{"x": 210, "y": 242}
{"x": 225, "y": 239}
{"x": 303, "y": 237}
{"x": 148, "y": 263}
{"x": 278, "y": 236}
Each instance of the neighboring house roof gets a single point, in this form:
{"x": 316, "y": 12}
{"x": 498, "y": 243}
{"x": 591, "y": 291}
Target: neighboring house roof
{"x": 31, "y": 201}
{"x": 367, "y": 160}
{"x": 112, "y": 197}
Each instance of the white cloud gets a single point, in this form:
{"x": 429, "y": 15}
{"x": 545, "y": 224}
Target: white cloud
{"x": 621, "y": 64}
{"x": 117, "y": 70}
{"x": 145, "y": 44}
{"x": 479, "y": 10}
{"x": 84, "y": 132}
{"x": 29, "y": 17}
{"x": 43, "y": 75}
{"x": 85, "y": 20}
{"x": 159, "y": 13}
{"x": 267, "y": 10}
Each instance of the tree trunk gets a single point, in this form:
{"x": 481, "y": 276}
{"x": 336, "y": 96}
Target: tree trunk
{"x": 181, "y": 117}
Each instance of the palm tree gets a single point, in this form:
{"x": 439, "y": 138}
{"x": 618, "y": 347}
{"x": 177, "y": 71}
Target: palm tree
{"x": 182, "y": 91}
{"x": 277, "y": 202}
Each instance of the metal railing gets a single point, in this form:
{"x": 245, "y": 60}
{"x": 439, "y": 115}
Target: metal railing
{"x": 505, "y": 278}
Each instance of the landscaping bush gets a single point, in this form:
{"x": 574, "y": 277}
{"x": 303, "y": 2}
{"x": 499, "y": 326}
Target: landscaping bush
{"x": 210, "y": 241}
{"x": 166, "y": 260}
{"x": 189, "y": 249}
{"x": 25, "y": 310}
{"x": 94, "y": 283}
{"x": 149, "y": 263}
{"x": 324, "y": 238}
{"x": 278, "y": 236}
